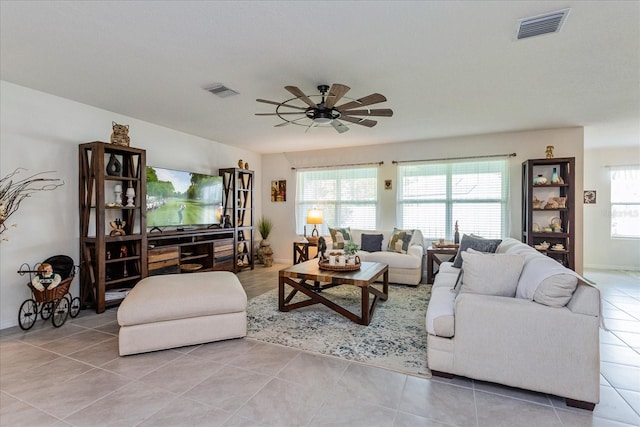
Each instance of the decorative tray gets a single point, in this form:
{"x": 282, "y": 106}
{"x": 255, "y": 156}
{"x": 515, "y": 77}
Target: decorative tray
{"x": 445, "y": 245}
{"x": 324, "y": 265}
{"x": 190, "y": 267}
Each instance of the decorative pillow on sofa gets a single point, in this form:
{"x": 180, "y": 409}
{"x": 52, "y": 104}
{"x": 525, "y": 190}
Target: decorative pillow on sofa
{"x": 371, "y": 242}
{"x": 400, "y": 240}
{"x": 480, "y": 244}
{"x": 547, "y": 282}
{"x": 339, "y": 236}
{"x": 491, "y": 274}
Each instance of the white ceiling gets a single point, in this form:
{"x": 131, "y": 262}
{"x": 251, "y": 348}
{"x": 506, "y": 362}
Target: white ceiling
{"x": 447, "y": 68}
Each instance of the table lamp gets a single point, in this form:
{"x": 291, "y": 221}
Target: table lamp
{"x": 314, "y": 216}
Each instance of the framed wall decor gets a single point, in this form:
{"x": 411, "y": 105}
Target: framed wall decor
{"x": 590, "y": 197}
{"x": 279, "y": 191}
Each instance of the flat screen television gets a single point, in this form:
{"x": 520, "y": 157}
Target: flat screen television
{"x": 182, "y": 199}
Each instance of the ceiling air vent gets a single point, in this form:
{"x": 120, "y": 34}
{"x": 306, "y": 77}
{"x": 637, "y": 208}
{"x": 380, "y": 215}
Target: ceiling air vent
{"x": 541, "y": 24}
{"x": 222, "y": 91}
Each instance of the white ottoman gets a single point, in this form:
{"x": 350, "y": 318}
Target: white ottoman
{"x": 176, "y": 310}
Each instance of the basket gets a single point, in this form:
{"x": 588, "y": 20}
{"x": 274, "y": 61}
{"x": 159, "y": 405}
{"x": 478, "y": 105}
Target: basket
{"x": 49, "y": 295}
{"x": 323, "y": 264}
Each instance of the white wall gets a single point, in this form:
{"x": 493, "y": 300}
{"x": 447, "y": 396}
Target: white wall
{"x": 568, "y": 142}
{"x": 41, "y": 132}
{"x": 601, "y": 250}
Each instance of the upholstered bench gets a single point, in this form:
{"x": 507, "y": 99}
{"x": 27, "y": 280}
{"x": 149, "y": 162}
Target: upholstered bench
{"x": 177, "y": 310}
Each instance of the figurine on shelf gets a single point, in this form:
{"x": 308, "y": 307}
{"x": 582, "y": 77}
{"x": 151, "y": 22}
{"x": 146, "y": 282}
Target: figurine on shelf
{"x": 120, "y": 134}
{"x": 117, "y": 227}
{"x": 45, "y": 278}
{"x": 549, "y": 152}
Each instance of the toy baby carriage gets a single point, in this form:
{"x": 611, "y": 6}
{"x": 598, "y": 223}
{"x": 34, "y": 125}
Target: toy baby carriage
{"x": 55, "y": 303}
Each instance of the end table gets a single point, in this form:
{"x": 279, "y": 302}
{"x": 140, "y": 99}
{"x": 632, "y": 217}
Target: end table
{"x": 433, "y": 259}
{"x": 301, "y": 251}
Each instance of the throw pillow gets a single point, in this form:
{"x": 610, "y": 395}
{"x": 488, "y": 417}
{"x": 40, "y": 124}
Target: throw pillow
{"x": 400, "y": 240}
{"x": 475, "y": 242}
{"x": 371, "y": 242}
{"x": 339, "y": 236}
{"x": 546, "y": 281}
{"x": 491, "y": 274}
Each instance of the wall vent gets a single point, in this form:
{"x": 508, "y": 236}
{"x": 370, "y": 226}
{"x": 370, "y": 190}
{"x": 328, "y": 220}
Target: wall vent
{"x": 541, "y": 24}
{"x": 222, "y": 91}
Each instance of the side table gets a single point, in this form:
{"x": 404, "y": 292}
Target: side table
{"x": 434, "y": 260}
{"x": 301, "y": 251}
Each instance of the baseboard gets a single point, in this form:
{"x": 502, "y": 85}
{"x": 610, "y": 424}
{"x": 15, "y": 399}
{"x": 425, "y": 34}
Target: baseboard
{"x": 611, "y": 267}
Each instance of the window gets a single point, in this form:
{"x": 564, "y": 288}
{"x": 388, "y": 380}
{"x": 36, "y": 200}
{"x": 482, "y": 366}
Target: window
{"x": 347, "y": 197}
{"x": 625, "y": 201}
{"x": 432, "y": 196}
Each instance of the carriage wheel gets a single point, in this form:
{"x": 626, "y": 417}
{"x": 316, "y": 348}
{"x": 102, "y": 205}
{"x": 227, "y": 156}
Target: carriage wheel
{"x": 28, "y": 314}
{"x": 74, "y": 308}
{"x": 60, "y": 312}
{"x": 46, "y": 310}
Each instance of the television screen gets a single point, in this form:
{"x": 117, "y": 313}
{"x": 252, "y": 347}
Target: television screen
{"x": 179, "y": 198}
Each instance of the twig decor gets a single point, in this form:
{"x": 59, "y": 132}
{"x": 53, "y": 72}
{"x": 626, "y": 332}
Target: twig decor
{"x": 12, "y": 193}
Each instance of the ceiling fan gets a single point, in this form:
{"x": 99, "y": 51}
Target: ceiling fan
{"x": 326, "y": 112}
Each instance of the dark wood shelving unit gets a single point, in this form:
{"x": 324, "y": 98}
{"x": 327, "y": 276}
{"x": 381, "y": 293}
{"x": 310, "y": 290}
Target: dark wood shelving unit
{"x": 565, "y": 168}
{"x": 110, "y": 262}
{"x": 238, "y": 205}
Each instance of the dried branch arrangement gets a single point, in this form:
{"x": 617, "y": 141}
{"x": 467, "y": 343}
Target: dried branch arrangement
{"x": 13, "y": 192}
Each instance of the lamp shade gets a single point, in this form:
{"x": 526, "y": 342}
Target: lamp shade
{"x": 314, "y": 216}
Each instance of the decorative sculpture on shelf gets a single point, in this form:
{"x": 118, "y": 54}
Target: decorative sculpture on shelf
{"x": 117, "y": 227}
{"x": 120, "y": 134}
{"x": 549, "y": 152}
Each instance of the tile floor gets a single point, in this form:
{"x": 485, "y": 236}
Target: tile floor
{"x": 73, "y": 376}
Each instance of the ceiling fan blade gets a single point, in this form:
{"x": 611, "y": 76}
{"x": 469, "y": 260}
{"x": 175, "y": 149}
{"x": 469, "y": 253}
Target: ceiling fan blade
{"x": 380, "y": 112}
{"x": 364, "y": 122}
{"x": 277, "y": 114}
{"x": 288, "y": 122}
{"x": 304, "y": 98}
{"x": 374, "y": 98}
{"x": 341, "y": 128}
{"x": 281, "y": 104}
{"x": 336, "y": 92}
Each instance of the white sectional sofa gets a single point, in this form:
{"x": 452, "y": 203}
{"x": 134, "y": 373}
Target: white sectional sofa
{"x": 404, "y": 268}
{"x": 544, "y": 338}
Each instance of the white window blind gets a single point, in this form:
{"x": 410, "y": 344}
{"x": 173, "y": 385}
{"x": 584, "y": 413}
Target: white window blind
{"x": 625, "y": 201}
{"x": 432, "y": 196}
{"x": 347, "y": 197}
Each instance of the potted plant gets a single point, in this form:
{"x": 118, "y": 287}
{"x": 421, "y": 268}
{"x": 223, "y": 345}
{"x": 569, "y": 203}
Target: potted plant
{"x": 265, "y": 253}
{"x": 350, "y": 250}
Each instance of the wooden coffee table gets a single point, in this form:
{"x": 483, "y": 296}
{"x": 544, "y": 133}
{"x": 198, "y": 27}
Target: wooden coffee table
{"x": 309, "y": 279}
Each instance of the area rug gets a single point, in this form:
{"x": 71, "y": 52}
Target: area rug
{"x": 395, "y": 339}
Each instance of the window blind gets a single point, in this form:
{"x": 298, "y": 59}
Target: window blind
{"x": 348, "y": 197}
{"x": 432, "y": 196}
{"x": 625, "y": 201}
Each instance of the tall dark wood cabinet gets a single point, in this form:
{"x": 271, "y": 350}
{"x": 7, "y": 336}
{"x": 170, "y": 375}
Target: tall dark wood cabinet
{"x": 113, "y": 236}
{"x": 548, "y": 207}
{"x": 239, "y": 209}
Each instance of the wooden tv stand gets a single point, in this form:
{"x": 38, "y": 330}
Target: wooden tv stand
{"x": 190, "y": 251}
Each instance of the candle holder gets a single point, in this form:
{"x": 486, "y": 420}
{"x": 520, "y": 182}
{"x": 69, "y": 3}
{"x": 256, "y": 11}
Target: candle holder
{"x": 131, "y": 193}
{"x": 118, "y": 194}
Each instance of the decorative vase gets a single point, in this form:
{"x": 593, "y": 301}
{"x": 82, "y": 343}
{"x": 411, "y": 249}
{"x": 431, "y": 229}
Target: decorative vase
{"x": 540, "y": 180}
{"x": 555, "y": 179}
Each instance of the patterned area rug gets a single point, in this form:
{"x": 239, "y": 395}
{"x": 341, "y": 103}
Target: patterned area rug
{"x": 396, "y": 339}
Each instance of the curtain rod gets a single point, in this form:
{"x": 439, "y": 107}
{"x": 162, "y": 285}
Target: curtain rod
{"x": 338, "y": 166}
{"x": 395, "y": 162}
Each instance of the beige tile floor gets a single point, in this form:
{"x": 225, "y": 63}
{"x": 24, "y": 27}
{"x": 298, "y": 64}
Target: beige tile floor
{"x": 73, "y": 376}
